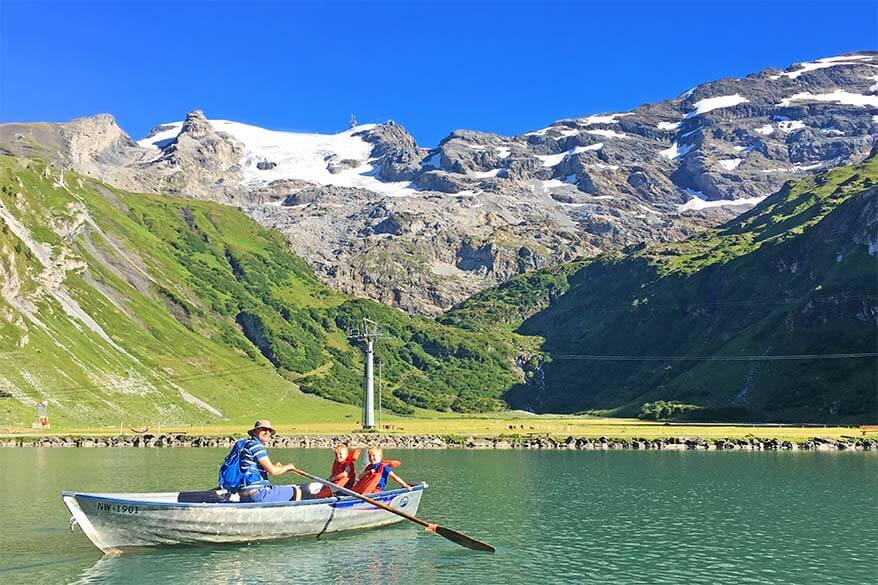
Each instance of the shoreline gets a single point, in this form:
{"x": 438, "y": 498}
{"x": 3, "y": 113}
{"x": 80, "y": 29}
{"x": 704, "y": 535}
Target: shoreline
{"x": 184, "y": 440}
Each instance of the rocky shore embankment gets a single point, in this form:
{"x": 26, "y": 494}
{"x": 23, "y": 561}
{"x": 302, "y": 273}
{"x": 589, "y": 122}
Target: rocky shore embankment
{"x": 182, "y": 440}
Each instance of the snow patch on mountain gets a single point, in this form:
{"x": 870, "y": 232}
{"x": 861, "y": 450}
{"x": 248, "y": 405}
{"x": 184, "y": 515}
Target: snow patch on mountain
{"x": 676, "y": 151}
{"x": 551, "y": 160}
{"x": 603, "y": 119}
{"x": 541, "y": 131}
{"x": 161, "y": 136}
{"x": 730, "y": 164}
{"x": 604, "y": 166}
{"x": 715, "y": 103}
{"x": 554, "y": 184}
{"x": 697, "y": 203}
{"x": 607, "y": 133}
{"x": 822, "y": 64}
{"x": 595, "y": 146}
{"x": 586, "y": 121}
{"x": 838, "y": 96}
{"x": 788, "y": 126}
{"x": 793, "y": 169}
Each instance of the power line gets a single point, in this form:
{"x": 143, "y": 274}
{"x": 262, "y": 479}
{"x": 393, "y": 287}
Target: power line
{"x": 645, "y": 306}
{"x": 715, "y": 358}
{"x": 162, "y": 380}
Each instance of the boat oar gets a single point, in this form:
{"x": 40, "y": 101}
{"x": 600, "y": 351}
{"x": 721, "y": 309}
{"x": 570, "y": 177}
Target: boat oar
{"x": 452, "y": 535}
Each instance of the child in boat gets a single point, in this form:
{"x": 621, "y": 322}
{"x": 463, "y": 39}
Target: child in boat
{"x": 343, "y": 473}
{"x": 376, "y": 473}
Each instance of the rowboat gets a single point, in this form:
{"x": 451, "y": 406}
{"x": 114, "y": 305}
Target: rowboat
{"x": 114, "y": 522}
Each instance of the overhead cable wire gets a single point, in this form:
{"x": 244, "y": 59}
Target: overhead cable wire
{"x": 163, "y": 380}
{"x": 714, "y": 358}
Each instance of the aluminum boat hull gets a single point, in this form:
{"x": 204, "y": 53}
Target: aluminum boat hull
{"x": 117, "y": 521}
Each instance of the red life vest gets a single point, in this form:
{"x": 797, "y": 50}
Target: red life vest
{"x": 343, "y": 466}
{"x": 346, "y": 466}
{"x": 374, "y": 477}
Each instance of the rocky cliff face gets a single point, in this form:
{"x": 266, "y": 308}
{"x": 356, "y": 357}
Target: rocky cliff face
{"x": 377, "y": 215}
{"x": 205, "y": 162}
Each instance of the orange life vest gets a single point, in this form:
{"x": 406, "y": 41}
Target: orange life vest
{"x": 342, "y": 466}
{"x": 346, "y": 466}
{"x": 374, "y": 477}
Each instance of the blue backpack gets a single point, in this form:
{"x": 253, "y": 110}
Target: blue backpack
{"x": 230, "y": 475}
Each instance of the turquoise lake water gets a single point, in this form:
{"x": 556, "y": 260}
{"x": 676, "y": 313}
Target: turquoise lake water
{"x": 554, "y": 516}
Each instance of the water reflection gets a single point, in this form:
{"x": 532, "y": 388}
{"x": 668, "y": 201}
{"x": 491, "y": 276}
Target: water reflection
{"x": 395, "y": 555}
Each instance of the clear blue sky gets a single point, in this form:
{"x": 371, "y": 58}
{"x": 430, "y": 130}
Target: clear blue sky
{"x": 506, "y": 67}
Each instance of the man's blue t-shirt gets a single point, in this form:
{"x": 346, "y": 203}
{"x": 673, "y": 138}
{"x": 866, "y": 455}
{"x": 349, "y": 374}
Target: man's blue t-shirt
{"x": 255, "y": 476}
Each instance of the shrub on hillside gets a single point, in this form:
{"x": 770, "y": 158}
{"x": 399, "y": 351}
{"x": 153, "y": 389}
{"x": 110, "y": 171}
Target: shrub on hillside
{"x": 661, "y": 410}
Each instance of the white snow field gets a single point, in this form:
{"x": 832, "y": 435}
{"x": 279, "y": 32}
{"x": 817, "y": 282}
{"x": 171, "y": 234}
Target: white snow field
{"x": 300, "y": 156}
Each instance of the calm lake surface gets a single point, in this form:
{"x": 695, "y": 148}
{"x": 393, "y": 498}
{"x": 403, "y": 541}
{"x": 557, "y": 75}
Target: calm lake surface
{"x": 555, "y": 517}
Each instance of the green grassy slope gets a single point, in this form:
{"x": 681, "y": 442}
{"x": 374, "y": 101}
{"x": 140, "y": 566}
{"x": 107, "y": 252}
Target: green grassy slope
{"x": 791, "y": 277}
{"x": 120, "y": 306}
{"x": 509, "y": 304}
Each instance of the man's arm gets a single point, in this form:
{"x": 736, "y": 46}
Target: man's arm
{"x": 275, "y": 468}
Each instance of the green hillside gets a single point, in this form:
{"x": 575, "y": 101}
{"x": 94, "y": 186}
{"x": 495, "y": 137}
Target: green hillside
{"x": 142, "y": 308}
{"x": 702, "y": 322}
{"x": 507, "y": 305}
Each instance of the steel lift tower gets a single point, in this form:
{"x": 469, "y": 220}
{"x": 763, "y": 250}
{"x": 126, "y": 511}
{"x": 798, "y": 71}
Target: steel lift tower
{"x": 368, "y": 334}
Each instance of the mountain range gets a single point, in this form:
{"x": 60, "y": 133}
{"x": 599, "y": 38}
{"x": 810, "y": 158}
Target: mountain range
{"x": 422, "y": 229}
{"x": 593, "y": 265}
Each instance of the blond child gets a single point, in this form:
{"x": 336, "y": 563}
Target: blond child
{"x": 376, "y": 473}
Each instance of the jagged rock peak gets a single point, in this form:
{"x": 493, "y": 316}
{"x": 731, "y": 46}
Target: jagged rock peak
{"x": 196, "y": 125}
{"x": 96, "y": 120}
{"x": 99, "y": 126}
{"x": 389, "y": 132}
{"x": 93, "y": 135}
{"x": 398, "y": 155}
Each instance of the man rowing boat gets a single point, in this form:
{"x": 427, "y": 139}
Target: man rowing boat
{"x": 256, "y": 467}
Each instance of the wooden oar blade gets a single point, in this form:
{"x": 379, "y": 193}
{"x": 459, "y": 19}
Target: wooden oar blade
{"x": 464, "y": 540}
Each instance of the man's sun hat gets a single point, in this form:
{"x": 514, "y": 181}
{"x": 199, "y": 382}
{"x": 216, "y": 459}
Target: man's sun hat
{"x": 261, "y": 424}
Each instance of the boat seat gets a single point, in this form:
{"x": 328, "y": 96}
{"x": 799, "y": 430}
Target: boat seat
{"x": 204, "y": 497}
